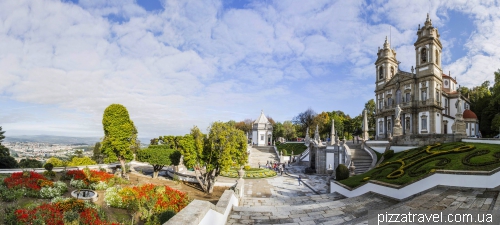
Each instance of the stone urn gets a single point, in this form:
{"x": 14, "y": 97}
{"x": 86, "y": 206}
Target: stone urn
{"x": 352, "y": 169}
{"x": 241, "y": 172}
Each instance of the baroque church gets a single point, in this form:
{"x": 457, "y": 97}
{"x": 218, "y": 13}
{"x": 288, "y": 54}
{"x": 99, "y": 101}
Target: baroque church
{"x": 426, "y": 100}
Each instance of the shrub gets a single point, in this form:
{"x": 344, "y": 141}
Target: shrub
{"x": 30, "y": 163}
{"x": 10, "y": 195}
{"x": 165, "y": 216}
{"x": 342, "y": 173}
{"x": 8, "y": 162}
{"x": 49, "y": 173}
{"x": 388, "y": 154}
{"x": 71, "y": 217}
{"x": 55, "y": 162}
{"x": 48, "y": 166}
{"x": 247, "y": 167}
{"x": 83, "y": 161}
{"x": 79, "y": 184}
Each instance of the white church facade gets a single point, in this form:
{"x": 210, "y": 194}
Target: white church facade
{"x": 426, "y": 96}
{"x": 262, "y": 131}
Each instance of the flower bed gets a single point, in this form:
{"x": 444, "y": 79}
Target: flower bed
{"x": 25, "y": 179}
{"x": 251, "y": 173}
{"x": 148, "y": 199}
{"x": 57, "y": 213}
{"x": 97, "y": 180}
{"x": 31, "y": 184}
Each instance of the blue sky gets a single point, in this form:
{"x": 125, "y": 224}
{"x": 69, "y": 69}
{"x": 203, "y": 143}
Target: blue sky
{"x": 176, "y": 64}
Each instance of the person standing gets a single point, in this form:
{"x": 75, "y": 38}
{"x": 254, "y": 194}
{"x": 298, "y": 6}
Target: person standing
{"x": 300, "y": 179}
{"x": 259, "y": 165}
{"x": 281, "y": 170}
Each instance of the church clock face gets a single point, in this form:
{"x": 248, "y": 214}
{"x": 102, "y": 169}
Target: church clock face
{"x": 446, "y": 82}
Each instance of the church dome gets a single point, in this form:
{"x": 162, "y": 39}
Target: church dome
{"x": 468, "y": 114}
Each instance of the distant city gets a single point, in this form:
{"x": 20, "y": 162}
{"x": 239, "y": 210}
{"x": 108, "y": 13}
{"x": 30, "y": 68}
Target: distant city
{"x": 42, "y": 147}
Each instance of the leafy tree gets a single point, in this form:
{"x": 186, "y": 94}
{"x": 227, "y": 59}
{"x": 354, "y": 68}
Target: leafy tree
{"x": 371, "y": 108}
{"x": 55, "y": 161}
{"x": 288, "y": 130}
{"x": 97, "y": 155}
{"x": 30, "y": 163}
{"x": 4, "y": 151}
{"x": 245, "y": 125}
{"x": 277, "y": 130}
{"x": 82, "y": 161}
{"x": 324, "y": 123}
{"x": 8, "y": 162}
{"x": 305, "y": 120}
{"x": 159, "y": 156}
{"x": 495, "y": 123}
{"x": 224, "y": 146}
{"x": 120, "y": 135}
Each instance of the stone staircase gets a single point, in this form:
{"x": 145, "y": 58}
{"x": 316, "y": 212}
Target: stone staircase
{"x": 314, "y": 209}
{"x": 362, "y": 160}
{"x": 446, "y": 198}
{"x": 334, "y": 209}
{"x": 261, "y": 154}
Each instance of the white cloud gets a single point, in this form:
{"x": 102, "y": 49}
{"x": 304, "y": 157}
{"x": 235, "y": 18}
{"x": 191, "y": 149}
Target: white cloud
{"x": 196, "y": 62}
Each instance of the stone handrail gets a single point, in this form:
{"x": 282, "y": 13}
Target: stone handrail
{"x": 203, "y": 212}
{"x": 347, "y": 156}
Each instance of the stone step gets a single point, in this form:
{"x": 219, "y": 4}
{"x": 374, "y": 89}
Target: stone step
{"x": 448, "y": 199}
{"x": 285, "y": 200}
{"x": 332, "y": 212}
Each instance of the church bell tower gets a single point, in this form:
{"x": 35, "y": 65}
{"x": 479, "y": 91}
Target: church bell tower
{"x": 428, "y": 51}
{"x": 386, "y": 65}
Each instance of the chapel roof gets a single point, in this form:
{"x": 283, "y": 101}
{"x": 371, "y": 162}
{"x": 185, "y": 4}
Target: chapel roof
{"x": 262, "y": 118}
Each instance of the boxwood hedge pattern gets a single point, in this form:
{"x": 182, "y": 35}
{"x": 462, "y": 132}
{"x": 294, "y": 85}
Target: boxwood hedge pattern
{"x": 411, "y": 165}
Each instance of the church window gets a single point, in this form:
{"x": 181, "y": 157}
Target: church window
{"x": 389, "y": 100}
{"x": 437, "y": 57}
{"x": 424, "y": 123}
{"x": 388, "y": 126}
{"x": 423, "y": 55}
{"x": 424, "y": 95}
{"x": 380, "y": 104}
{"x": 381, "y": 73}
{"x": 262, "y": 137}
{"x": 407, "y": 125}
{"x": 407, "y": 97}
{"x": 381, "y": 127}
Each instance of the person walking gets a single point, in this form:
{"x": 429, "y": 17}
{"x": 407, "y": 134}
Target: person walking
{"x": 259, "y": 165}
{"x": 300, "y": 179}
{"x": 281, "y": 170}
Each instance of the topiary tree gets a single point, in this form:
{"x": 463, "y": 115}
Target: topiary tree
{"x": 120, "y": 135}
{"x": 388, "y": 154}
{"x": 48, "y": 166}
{"x": 342, "y": 172}
{"x": 159, "y": 156}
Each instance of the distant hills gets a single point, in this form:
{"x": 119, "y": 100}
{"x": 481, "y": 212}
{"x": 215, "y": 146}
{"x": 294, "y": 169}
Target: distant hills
{"x": 52, "y": 139}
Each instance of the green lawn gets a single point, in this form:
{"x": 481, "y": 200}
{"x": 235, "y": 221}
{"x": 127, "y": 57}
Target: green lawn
{"x": 410, "y": 165}
{"x": 287, "y": 148}
{"x": 251, "y": 173}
